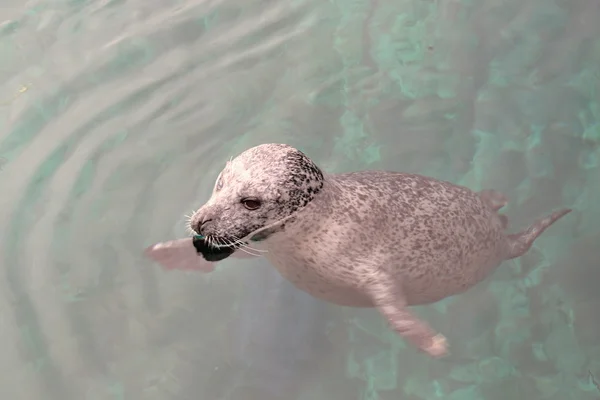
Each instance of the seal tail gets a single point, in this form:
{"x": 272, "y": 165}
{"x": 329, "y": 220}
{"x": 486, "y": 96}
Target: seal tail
{"x": 520, "y": 243}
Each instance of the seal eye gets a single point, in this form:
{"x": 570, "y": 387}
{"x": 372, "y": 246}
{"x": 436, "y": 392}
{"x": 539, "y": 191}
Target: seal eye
{"x": 251, "y": 204}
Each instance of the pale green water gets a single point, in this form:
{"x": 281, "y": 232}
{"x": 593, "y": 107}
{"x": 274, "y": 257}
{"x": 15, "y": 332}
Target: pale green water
{"x": 116, "y": 117}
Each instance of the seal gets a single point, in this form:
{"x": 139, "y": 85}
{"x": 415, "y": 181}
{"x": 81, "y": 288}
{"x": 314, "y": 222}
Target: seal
{"x": 380, "y": 239}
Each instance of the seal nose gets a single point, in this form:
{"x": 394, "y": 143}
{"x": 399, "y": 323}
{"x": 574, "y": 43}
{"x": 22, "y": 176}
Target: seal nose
{"x": 201, "y": 225}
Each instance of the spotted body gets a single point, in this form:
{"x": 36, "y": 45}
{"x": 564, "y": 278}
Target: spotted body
{"x": 364, "y": 239}
{"x": 431, "y": 238}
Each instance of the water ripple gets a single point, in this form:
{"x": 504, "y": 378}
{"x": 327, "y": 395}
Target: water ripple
{"x": 88, "y": 155}
{"x": 117, "y": 115}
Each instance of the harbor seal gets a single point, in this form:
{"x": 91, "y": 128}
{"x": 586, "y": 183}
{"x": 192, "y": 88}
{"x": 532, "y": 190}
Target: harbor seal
{"x": 380, "y": 239}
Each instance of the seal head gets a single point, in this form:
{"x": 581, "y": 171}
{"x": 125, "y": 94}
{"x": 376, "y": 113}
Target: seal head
{"x": 257, "y": 193}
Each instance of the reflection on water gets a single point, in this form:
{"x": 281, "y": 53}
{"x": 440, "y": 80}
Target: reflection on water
{"x": 117, "y": 115}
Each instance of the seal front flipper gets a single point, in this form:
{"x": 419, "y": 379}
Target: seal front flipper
{"x": 179, "y": 254}
{"x": 389, "y": 299}
{"x": 192, "y": 254}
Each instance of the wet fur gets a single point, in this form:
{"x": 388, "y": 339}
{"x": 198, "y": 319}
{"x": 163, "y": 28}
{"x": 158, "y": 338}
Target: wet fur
{"x": 366, "y": 239}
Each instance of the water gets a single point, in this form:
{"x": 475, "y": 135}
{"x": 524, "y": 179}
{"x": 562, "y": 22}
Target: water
{"x": 116, "y": 117}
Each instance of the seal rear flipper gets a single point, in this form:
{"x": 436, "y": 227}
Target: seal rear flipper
{"x": 179, "y": 254}
{"x": 520, "y": 243}
{"x": 493, "y": 198}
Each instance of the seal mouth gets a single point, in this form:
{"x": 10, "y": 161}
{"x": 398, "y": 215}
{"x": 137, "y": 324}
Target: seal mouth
{"x": 217, "y": 248}
{"x": 205, "y": 246}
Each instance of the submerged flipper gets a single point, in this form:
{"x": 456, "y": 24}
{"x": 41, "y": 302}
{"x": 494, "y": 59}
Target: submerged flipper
{"x": 496, "y": 201}
{"x": 521, "y": 242}
{"x": 179, "y": 254}
{"x": 493, "y": 198}
{"x": 195, "y": 254}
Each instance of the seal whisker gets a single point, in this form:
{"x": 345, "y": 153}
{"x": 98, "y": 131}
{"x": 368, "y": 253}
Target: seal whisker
{"x": 264, "y": 228}
{"x": 222, "y": 242}
{"x": 248, "y": 252}
{"x": 244, "y": 247}
{"x": 241, "y": 243}
{"x": 188, "y": 217}
{"x": 188, "y": 226}
{"x": 209, "y": 242}
{"x": 228, "y": 243}
{"x": 190, "y": 231}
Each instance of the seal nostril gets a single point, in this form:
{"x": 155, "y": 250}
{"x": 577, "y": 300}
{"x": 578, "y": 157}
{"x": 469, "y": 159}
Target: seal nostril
{"x": 201, "y": 225}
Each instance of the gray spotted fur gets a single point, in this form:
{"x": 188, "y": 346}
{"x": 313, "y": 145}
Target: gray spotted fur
{"x": 365, "y": 239}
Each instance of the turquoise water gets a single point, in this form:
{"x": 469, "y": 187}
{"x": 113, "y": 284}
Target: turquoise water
{"x": 116, "y": 116}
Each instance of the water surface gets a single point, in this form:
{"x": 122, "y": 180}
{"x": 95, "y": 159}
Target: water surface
{"x": 116, "y": 116}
